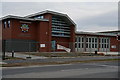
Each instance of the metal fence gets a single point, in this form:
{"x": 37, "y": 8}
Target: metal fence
{"x": 51, "y": 48}
{"x": 33, "y": 46}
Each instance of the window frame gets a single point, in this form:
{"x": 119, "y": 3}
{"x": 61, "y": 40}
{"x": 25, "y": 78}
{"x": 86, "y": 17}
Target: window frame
{"x": 8, "y": 23}
{"x": 5, "y": 24}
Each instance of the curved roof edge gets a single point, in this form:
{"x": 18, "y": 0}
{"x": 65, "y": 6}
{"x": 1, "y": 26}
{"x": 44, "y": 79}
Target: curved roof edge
{"x": 23, "y": 18}
{"x": 52, "y": 12}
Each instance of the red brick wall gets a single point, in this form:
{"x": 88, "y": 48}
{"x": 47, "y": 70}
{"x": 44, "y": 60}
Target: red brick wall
{"x": 0, "y": 30}
{"x": 38, "y": 31}
{"x": 43, "y": 36}
{"x": 114, "y": 42}
{"x": 61, "y": 40}
{"x": 72, "y": 38}
{"x": 17, "y": 31}
{"x": 6, "y": 32}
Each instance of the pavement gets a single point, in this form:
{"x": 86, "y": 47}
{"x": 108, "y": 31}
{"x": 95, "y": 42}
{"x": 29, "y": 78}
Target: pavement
{"x": 24, "y": 56}
{"x": 107, "y": 53}
{"x": 111, "y": 53}
{"x": 76, "y": 70}
{"x": 2, "y": 62}
{"x": 19, "y": 55}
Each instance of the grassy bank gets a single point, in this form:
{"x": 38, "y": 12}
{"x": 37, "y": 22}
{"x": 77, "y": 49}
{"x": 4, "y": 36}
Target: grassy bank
{"x": 53, "y": 63}
{"x": 65, "y": 54}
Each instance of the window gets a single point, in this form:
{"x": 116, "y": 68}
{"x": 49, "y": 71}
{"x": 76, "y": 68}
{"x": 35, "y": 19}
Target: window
{"x": 79, "y": 45}
{"x": 79, "y": 39}
{"x": 107, "y": 46}
{"x": 76, "y": 39}
{"x": 86, "y": 39}
{"x": 102, "y": 40}
{"x": 87, "y": 45}
{"x": 92, "y": 45}
{"x": 104, "y": 43}
{"x": 82, "y": 45}
{"x": 92, "y": 39}
{"x": 40, "y": 17}
{"x": 5, "y": 24}
{"x": 95, "y": 45}
{"x": 8, "y": 23}
{"x": 75, "y": 45}
{"x": 89, "y": 39}
{"x": 108, "y": 41}
{"x": 95, "y": 39}
{"x": 82, "y": 39}
{"x": 59, "y": 25}
{"x": 118, "y": 37}
{"x": 105, "y": 40}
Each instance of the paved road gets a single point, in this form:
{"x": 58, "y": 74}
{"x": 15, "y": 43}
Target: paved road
{"x": 78, "y": 70}
{"x": 62, "y": 59}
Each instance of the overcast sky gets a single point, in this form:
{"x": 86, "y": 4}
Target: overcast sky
{"x": 88, "y": 16}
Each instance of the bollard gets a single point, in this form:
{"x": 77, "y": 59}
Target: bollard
{"x": 12, "y": 53}
{"x": 95, "y": 52}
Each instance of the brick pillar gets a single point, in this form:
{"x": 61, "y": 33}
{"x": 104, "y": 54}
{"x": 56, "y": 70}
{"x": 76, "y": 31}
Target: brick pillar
{"x": 43, "y": 36}
{"x": 72, "y": 38}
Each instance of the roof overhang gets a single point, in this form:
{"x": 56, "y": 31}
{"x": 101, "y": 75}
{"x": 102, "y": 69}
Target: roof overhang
{"x": 22, "y": 18}
{"x": 54, "y": 13}
{"x": 110, "y": 31}
{"x": 97, "y": 34}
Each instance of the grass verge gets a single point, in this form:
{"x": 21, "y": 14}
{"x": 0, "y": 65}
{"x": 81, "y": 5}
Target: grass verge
{"x": 65, "y": 54}
{"x": 12, "y": 58}
{"x": 53, "y": 63}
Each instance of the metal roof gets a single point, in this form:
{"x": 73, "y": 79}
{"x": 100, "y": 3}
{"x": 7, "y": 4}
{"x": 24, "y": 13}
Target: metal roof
{"x": 110, "y": 31}
{"x": 51, "y": 12}
{"x": 91, "y": 33}
{"x": 23, "y": 18}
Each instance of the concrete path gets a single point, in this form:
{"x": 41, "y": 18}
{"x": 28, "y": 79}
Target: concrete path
{"x": 3, "y": 63}
{"x": 25, "y": 55}
{"x": 112, "y": 53}
{"x": 107, "y": 53}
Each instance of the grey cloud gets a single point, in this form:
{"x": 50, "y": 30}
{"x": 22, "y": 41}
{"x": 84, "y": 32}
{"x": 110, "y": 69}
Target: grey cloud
{"x": 108, "y": 19}
{"x": 74, "y": 10}
{"x": 104, "y": 22}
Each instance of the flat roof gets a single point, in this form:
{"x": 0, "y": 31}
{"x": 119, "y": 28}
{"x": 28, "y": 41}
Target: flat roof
{"x": 98, "y": 34}
{"x": 110, "y": 31}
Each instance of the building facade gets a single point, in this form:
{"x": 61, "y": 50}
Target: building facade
{"x": 45, "y": 30}
{"x": 102, "y": 42}
{"x": 38, "y": 32}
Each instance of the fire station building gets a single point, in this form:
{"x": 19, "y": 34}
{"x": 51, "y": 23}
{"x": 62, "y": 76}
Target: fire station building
{"x": 45, "y": 30}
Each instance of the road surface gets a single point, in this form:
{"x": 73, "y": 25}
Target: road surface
{"x": 108, "y": 69}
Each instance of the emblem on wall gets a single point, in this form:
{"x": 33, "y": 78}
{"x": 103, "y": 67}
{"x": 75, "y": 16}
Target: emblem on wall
{"x": 24, "y": 28}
